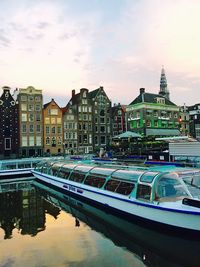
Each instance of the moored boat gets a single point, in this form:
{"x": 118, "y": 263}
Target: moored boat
{"x": 163, "y": 199}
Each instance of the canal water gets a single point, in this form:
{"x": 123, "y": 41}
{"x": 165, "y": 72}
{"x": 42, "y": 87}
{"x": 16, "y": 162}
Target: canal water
{"x": 43, "y": 227}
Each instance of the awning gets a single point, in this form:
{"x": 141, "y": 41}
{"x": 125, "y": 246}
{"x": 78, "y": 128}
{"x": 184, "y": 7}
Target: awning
{"x": 127, "y": 134}
{"x": 163, "y": 132}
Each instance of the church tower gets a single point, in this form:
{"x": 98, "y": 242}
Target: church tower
{"x": 163, "y": 85}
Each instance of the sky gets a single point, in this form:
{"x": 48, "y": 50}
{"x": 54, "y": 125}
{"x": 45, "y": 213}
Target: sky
{"x": 61, "y": 45}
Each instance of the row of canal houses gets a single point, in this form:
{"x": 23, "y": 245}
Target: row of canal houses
{"x": 88, "y": 121}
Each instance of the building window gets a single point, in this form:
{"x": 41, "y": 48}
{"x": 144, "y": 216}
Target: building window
{"x": 53, "y": 143}
{"x": 59, "y": 140}
{"x": 53, "y": 130}
{"x": 53, "y": 120}
{"x": 84, "y": 109}
{"x": 47, "y": 130}
{"x": 38, "y": 141}
{"x": 96, "y": 140}
{"x": 53, "y": 111}
{"x": 31, "y": 129}
{"x": 38, "y": 98}
{"x": 59, "y": 129}
{"x": 102, "y": 120}
{"x": 31, "y": 117}
{"x": 23, "y": 128}
{"x": 47, "y": 140}
{"x": 38, "y": 107}
{"x": 30, "y": 98}
{"x": 47, "y": 120}
{"x": 24, "y": 107}
{"x": 59, "y": 120}
{"x": 85, "y": 138}
{"x": 148, "y": 123}
{"x": 23, "y": 98}
{"x": 160, "y": 100}
{"x": 7, "y": 143}
{"x": 38, "y": 128}
{"x": 24, "y": 117}
{"x": 155, "y": 114}
{"x": 102, "y": 129}
{"x": 103, "y": 140}
{"x": 102, "y": 112}
{"x": 156, "y": 123}
{"x": 24, "y": 141}
{"x": 31, "y": 107}
{"x": 31, "y": 140}
{"x": 90, "y": 139}
{"x": 84, "y": 101}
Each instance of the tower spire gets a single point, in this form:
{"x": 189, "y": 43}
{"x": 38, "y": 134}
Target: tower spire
{"x": 163, "y": 84}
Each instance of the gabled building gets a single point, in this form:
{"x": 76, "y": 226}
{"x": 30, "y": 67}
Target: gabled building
{"x": 77, "y": 120}
{"x": 194, "y": 120}
{"x": 153, "y": 115}
{"x": 70, "y": 131}
{"x": 30, "y": 121}
{"x": 101, "y": 118}
{"x": 118, "y": 119}
{"x": 53, "y": 129}
{"x": 86, "y": 120}
{"x": 184, "y": 120}
{"x": 9, "y": 124}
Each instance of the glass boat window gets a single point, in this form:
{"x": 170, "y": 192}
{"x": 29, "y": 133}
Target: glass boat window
{"x": 112, "y": 185}
{"x": 9, "y": 166}
{"x": 169, "y": 185}
{"x": 127, "y": 175}
{"x": 64, "y": 173}
{"x": 144, "y": 192}
{"x": 84, "y": 169}
{"x": 125, "y": 188}
{"x": 77, "y": 177}
{"x": 95, "y": 181}
{"x": 101, "y": 171}
{"x": 148, "y": 177}
{"x": 120, "y": 187}
{"x": 191, "y": 178}
{"x": 65, "y": 170}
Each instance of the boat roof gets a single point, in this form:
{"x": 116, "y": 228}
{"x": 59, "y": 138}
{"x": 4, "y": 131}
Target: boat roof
{"x": 131, "y": 173}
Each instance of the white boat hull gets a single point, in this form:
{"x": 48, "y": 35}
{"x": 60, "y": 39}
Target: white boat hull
{"x": 175, "y": 215}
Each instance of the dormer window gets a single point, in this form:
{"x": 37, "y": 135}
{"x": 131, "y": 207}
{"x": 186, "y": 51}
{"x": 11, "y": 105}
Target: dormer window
{"x": 84, "y": 94}
{"x": 161, "y": 100}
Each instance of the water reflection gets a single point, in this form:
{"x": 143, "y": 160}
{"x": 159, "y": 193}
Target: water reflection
{"x": 63, "y": 238}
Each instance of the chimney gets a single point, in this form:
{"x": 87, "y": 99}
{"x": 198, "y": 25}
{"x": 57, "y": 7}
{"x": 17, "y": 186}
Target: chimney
{"x": 73, "y": 92}
{"x": 142, "y": 91}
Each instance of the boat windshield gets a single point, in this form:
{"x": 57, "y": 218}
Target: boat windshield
{"x": 192, "y": 181}
{"x": 169, "y": 187}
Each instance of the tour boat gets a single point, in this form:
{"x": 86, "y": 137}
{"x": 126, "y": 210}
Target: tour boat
{"x": 165, "y": 199}
{"x": 17, "y": 168}
{"x": 149, "y": 245}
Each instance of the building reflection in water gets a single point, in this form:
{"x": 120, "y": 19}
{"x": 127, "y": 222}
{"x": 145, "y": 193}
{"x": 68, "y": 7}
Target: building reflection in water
{"x": 27, "y": 207}
{"x": 22, "y": 208}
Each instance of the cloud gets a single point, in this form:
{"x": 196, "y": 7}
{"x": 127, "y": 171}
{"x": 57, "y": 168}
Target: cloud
{"x": 49, "y": 50}
{"x": 45, "y": 44}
